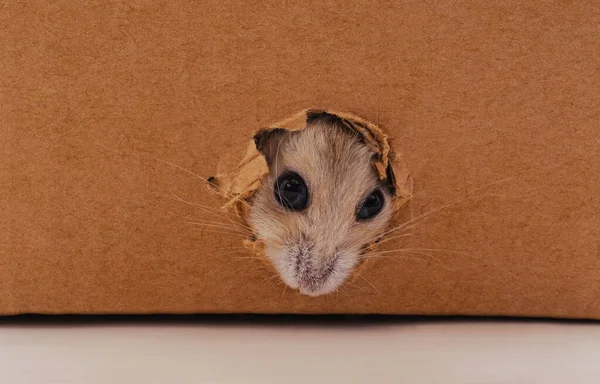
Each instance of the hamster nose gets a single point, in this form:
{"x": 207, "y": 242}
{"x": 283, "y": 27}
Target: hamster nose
{"x": 312, "y": 278}
{"x": 311, "y": 285}
{"x": 309, "y": 291}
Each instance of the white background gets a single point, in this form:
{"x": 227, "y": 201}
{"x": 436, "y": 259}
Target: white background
{"x": 400, "y": 351}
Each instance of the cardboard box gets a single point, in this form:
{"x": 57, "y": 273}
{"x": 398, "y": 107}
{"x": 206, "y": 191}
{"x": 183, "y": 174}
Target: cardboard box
{"x": 109, "y": 110}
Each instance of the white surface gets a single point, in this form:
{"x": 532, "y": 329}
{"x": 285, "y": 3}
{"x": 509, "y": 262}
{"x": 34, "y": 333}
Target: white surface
{"x": 403, "y": 352}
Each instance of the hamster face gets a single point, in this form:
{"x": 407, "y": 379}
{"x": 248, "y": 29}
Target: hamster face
{"x": 320, "y": 204}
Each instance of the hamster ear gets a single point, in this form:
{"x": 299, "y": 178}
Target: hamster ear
{"x": 267, "y": 141}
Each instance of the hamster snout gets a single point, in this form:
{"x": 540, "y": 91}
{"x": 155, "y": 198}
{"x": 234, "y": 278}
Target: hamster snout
{"x": 311, "y": 269}
{"x": 320, "y": 204}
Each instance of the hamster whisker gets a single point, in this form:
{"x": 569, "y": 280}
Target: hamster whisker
{"x": 452, "y": 202}
{"x": 414, "y": 257}
{"x": 233, "y": 220}
{"x": 454, "y": 251}
{"x": 202, "y": 207}
{"x": 457, "y": 251}
{"x": 238, "y": 252}
{"x": 215, "y": 225}
{"x": 405, "y": 250}
{"x": 405, "y": 225}
{"x": 354, "y": 285}
{"x": 370, "y": 283}
{"x": 143, "y": 155}
{"x": 345, "y": 291}
{"x": 205, "y": 208}
{"x": 220, "y": 256}
{"x": 285, "y": 287}
{"x": 239, "y": 258}
{"x": 212, "y": 230}
{"x": 419, "y": 219}
{"x": 469, "y": 255}
{"x": 231, "y": 224}
{"x": 202, "y": 220}
{"x": 229, "y": 248}
{"x": 269, "y": 279}
{"x": 198, "y": 176}
{"x": 385, "y": 240}
{"x": 258, "y": 272}
{"x": 224, "y": 225}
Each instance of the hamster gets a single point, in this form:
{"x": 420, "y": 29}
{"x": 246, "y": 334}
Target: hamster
{"x": 320, "y": 204}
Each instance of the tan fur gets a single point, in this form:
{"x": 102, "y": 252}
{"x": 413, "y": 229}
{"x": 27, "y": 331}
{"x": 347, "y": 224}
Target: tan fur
{"x": 316, "y": 250}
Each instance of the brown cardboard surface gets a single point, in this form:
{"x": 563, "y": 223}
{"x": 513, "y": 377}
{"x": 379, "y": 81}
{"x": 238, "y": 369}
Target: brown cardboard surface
{"x": 493, "y": 106}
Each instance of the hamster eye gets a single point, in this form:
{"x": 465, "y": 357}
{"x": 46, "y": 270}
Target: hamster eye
{"x": 371, "y": 206}
{"x": 291, "y": 192}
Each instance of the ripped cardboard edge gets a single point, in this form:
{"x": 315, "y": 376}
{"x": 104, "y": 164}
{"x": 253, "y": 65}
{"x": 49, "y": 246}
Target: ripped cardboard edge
{"x": 239, "y": 185}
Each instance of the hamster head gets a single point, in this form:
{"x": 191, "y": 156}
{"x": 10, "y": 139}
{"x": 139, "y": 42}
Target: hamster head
{"x": 319, "y": 206}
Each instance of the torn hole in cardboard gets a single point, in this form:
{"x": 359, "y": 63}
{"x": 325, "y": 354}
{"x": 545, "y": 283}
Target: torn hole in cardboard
{"x": 238, "y": 186}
